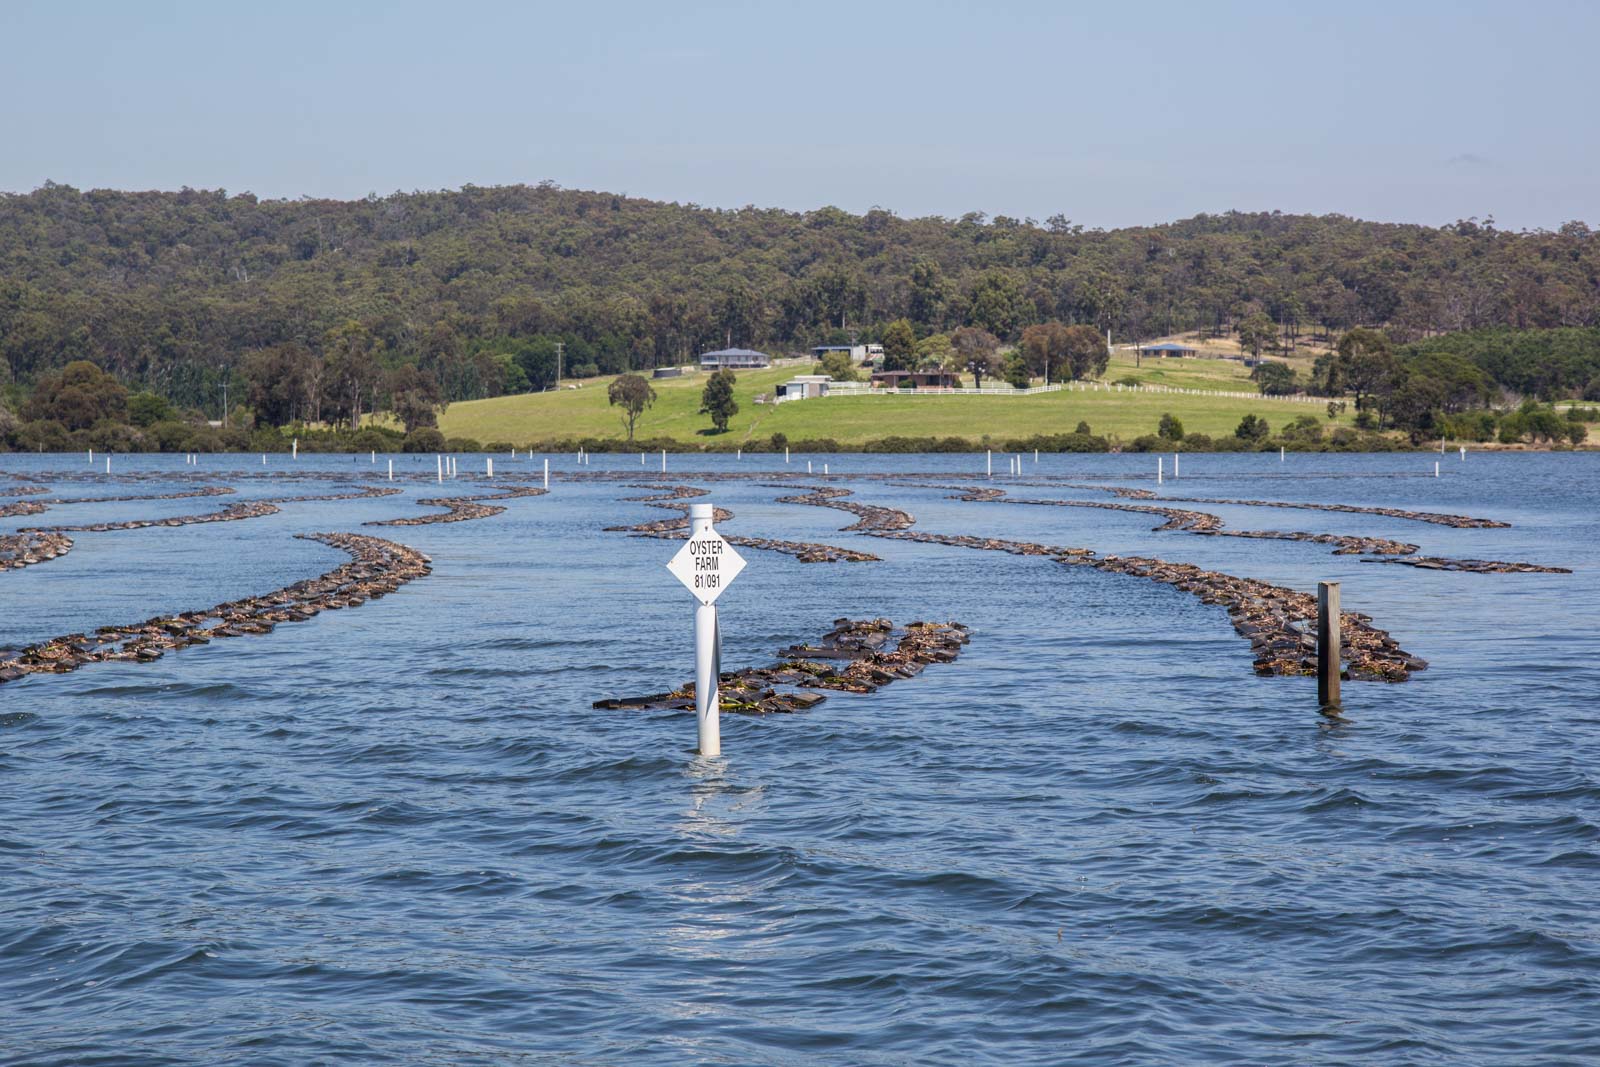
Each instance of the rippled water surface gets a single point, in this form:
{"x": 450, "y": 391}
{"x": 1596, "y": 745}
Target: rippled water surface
{"x": 401, "y": 834}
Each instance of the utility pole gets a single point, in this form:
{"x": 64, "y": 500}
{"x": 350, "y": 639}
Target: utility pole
{"x": 560, "y": 347}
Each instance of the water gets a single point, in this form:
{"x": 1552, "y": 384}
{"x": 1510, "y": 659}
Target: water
{"x": 400, "y": 834}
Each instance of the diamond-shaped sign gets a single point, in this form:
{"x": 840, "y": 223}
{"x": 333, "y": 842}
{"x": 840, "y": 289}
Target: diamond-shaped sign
{"x": 706, "y": 565}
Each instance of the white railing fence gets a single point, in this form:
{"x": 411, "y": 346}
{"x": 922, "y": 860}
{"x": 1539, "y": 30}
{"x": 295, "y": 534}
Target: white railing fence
{"x": 1003, "y": 389}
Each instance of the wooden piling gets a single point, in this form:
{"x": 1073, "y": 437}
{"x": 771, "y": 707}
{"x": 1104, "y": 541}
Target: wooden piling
{"x": 1329, "y": 665}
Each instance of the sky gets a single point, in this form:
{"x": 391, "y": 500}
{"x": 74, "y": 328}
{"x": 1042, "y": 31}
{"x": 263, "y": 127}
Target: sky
{"x": 1112, "y": 114}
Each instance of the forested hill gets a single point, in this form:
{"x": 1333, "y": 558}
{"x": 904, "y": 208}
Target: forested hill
{"x": 166, "y": 289}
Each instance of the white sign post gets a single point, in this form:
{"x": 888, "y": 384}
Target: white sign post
{"x": 706, "y": 565}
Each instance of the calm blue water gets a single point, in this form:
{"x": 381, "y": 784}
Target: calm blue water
{"x": 400, "y": 834}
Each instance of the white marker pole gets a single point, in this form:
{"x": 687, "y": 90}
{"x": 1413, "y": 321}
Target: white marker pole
{"x": 1463, "y": 452}
{"x": 1280, "y": 453}
{"x": 488, "y": 468}
{"x": 1174, "y": 465}
{"x": 738, "y": 454}
{"x": 1036, "y": 455}
{"x": 438, "y": 462}
{"x": 824, "y": 468}
{"x": 91, "y": 457}
{"x": 786, "y": 453}
{"x": 1436, "y": 468}
{"x": 663, "y": 461}
{"x": 295, "y": 449}
{"x": 547, "y": 474}
{"x": 641, "y": 459}
{"x": 263, "y": 459}
{"x": 374, "y": 455}
{"x": 808, "y": 466}
{"x": 391, "y": 470}
{"x": 108, "y": 464}
{"x": 1160, "y": 463}
{"x": 707, "y": 702}
{"x": 988, "y": 467}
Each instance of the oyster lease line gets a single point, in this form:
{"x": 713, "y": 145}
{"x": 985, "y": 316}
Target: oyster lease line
{"x": 25, "y": 549}
{"x": 1274, "y": 619}
{"x": 861, "y": 645}
{"x": 1206, "y": 524}
{"x": 378, "y": 567}
{"x": 250, "y": 509}
{"x": 672, "y": 500}
{"x": 461, "y": 508}
{"x": 1437, "y": 518}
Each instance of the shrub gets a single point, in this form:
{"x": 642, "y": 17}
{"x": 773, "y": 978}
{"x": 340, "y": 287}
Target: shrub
{"x": 1303, "y": 432}
{"x": 370, "y": 440}
{"x": 1252, "y": 428}
{"x": 462, "y": 444}
{"x": 44, "y": 435}
{"x": 427, "y": 439}
{"x": 1171, "y": 427}
{"x": 202, "y": 439}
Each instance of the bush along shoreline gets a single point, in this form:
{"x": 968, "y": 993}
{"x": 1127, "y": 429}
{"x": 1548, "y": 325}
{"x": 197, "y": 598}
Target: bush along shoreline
{"x": 127, "y": 440}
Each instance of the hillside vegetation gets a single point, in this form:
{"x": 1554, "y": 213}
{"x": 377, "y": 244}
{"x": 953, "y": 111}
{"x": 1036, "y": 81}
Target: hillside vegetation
{"x": 172, "y": 291}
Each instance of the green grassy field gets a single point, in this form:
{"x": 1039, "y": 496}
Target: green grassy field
{"x": 584, "y": 412}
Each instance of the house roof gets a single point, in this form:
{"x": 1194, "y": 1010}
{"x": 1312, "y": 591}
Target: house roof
{"x": 1169, "y": 346}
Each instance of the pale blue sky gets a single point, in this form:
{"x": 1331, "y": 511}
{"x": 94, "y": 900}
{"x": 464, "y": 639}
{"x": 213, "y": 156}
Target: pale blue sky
{"x": 1110, "y": 113}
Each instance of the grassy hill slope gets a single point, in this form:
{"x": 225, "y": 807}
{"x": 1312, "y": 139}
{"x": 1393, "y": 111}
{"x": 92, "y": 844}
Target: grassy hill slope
{"x": 584, "y": 412}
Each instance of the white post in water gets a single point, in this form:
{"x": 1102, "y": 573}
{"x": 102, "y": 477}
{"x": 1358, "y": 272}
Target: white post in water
{"x": 488, "y": 471}
{"x": 786, "y": 453}
{"x": 374, "y": 455}
{"x": 438, "y": 461}
{"x": 391, "y": 470}
{"x": 294, "y": 449}
{"x": 1463, "y": 453}
{"x": 808, "y": 466}
{"x": 1036, "y": 455}
{"x": 263, "y": 459}
{"x": 663, "y": 461}
{"x": 641, "y": 459}
{"x": 1160, "y": 463}
{"x": 1174, "y": 466}
{"x": 547, "y": 474}
{"x": 108, "y": 464}
{"x": 738, "y": 453}
{"x": 91, "y": 457}
{"x": 1436, "y": 468}
{"x": 989, "y": 464}
{"x": 824, "y": 468}
{"x": 1280, "y": 453}
{"x": 706, "y": 565}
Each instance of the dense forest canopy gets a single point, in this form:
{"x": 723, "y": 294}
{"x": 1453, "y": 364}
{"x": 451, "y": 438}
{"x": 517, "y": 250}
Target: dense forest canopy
{"x": 173, "y": 291}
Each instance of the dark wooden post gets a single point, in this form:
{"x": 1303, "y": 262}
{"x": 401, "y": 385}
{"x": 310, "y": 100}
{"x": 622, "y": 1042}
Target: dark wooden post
{"x": 1329, "y": 664}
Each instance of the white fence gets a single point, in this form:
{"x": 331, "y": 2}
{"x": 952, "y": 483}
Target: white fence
{"x": 1002, "y": 389}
